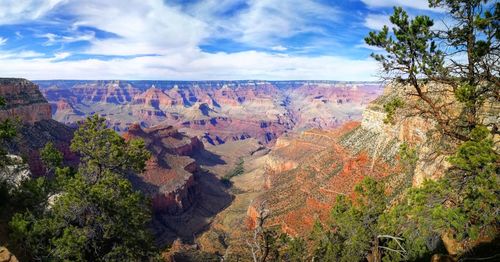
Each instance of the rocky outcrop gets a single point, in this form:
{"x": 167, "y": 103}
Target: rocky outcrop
{"x": 168, "y": 177}
{"x": 153, "y": 97}
{"x": 6, "y": 256}
{"x": 26, "y": 104}
{"x": 306, "y": 172}
{"x": 15, "y": 172}
{"x": 382, "y": 140}
{"x": 23, "y": 101}
{"x": 185, "y": 197}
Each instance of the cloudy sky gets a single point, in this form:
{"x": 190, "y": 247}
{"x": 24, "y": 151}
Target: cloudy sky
{"x": 192, "y": 39}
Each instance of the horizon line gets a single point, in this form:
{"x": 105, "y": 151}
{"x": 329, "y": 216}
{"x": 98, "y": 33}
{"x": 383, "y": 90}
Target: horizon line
{"x": 204, "y": 80}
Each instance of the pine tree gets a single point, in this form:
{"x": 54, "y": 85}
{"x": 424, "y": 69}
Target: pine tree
{"x": 417, "y": 55}
{"x": 464, "y": 204}
{"x": 51, "y": 157}
{"x": 96, "y": 215}
{"x": 102, "y": 149}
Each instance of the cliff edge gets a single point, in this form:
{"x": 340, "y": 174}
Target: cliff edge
{"x": 24, "y": 101}
{"x": 25, "y": 104}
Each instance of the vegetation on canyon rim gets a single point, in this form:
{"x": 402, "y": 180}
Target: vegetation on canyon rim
{"x": 91, "y": 214}
{"x": 463, "y": 205}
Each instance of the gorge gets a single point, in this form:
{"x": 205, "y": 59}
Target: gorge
{"x": 299, "y": 144}
{"x": 250, "y": 130}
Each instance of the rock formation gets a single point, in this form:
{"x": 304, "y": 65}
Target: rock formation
{"x": 6, "y": 256}
{"x": 26, "y": 104}
{"x": 216, "y": 111}
{"x": 23, "y": 101}
{"x": 169, "y": 175}
{"x": 305, "y": 173}
{"x": 184, "y": 197}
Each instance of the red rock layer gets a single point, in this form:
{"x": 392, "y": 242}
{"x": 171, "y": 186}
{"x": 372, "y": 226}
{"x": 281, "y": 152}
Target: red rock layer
{"x": 168, "y": 177}
{"x": 223, "y": 111}
{"x": 307, "y": 173}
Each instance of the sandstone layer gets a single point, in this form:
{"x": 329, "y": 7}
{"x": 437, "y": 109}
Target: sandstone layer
{"x": 216, "y": 111}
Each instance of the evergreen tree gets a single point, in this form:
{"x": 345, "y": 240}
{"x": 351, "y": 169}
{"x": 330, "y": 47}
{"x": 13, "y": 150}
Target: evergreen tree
{"x": 464, "y": 205}
{"x": 354, "y": 233}
{"x": 96, "y": 215}
{"x": 51, "y": 157}
{"x": 102, "y": 149}
{"x": 417, "y": 55}
{"x": 7, "y": 131}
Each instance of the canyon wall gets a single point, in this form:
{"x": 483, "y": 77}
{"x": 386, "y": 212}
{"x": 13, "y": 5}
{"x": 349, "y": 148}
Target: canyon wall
{"x": 215, "y": 111}
{"x": 168, "y": 177}
{"x": 23, "y": 100}
{"x": 26, "y": 104}
{"x": 306, "y": 172}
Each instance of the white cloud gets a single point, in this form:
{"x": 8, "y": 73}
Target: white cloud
{"x": 279, "y": 48}
{"x": 15, "y": 11}
{"x": 369, "y": 47}
{"x": 53, "y": 38}
{"x": 267, "y": 20}
{"x": 20, "y": 55}
{"x": 61, "y": 55}
{"x": 377, "y": 22}
{"x": 3, "y": 41}
{"x": 417, "y": 4}
{"x": 142, "y": 27}
{"x": 28, "y": 54}
{"x": 173, "y": 35}
{"x": 153, "y": 27}
{"x": 264, "y": 23}
{"x": 241, "y": 65}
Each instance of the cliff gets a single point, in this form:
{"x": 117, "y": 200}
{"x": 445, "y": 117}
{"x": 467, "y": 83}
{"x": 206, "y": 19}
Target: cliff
{"x": 26, "y": 104}
{"x": 185, "y": 197}
{"x": 382, "y": 140}
{"x": 306, "y": 173}
{"x": 23, "y": 100}
{"x": 168, "y": 177}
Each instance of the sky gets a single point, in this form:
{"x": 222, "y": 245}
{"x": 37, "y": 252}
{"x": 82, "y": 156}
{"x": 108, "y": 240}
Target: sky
{"x": 193, "y": 39}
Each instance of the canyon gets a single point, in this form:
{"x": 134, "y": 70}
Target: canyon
{"x": 299, "y": 144}
{"x": 198, "y": 131}
{"x": 298, "y": 181}
{"x": 215, "y": 111}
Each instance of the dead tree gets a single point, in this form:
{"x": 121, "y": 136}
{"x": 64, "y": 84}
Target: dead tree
{"x": 261, "y": 243}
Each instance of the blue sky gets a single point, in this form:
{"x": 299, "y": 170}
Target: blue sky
{"x": 192, "y": 39}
